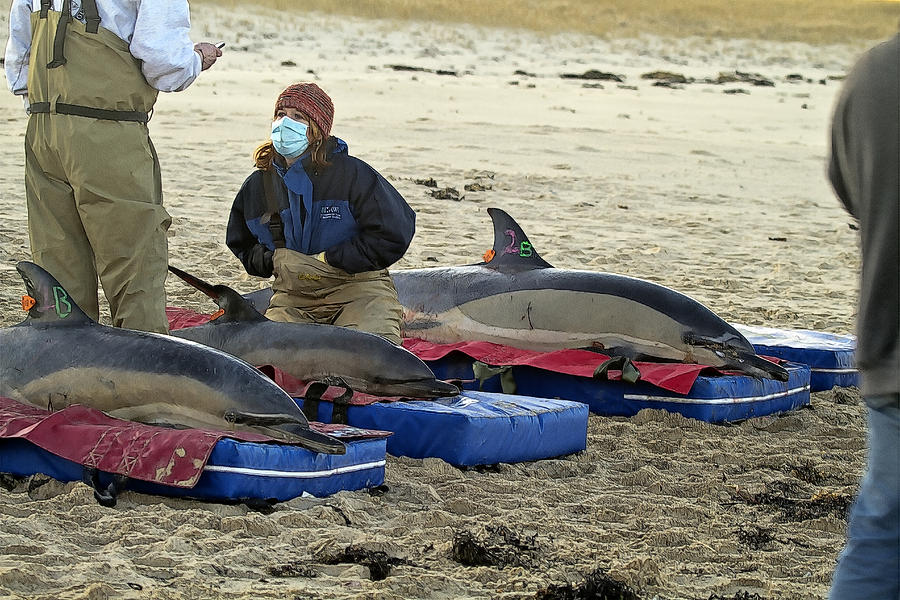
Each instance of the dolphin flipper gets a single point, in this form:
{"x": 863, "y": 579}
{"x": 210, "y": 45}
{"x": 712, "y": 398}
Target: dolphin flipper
{"x": 311, "y": 440}
{"x": 288, "y": 428}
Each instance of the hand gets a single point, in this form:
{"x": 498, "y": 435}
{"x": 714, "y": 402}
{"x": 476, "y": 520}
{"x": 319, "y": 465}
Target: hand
{"x": 208, "y": 54}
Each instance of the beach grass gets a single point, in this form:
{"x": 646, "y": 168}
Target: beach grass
{"x": 810, "y": 21}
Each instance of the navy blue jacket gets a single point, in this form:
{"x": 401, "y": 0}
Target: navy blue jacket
{"x": 347, "y": 210}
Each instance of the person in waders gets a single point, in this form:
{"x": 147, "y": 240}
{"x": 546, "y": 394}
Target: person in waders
{"x": 89, "y": 72}
{"x": 325, "y": 223}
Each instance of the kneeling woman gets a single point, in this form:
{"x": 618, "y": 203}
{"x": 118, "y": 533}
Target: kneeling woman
{"x": 325, "y": 223}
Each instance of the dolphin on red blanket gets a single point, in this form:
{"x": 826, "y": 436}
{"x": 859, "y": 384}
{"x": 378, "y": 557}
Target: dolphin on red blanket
{"x": 516, "y": 298}
{"x": 357, "y": 360}
{"x": 58, "y": 356}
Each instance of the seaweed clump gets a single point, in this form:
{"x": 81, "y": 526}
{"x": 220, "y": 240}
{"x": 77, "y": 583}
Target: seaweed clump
{"x": 817, "y": 506}
{"x": 378, "y": 562}
{"x": 293, "y": 569}
{"x": 597, "y": 585}
{"x": 500, "y": 547}
{"x": 755, "y": 537}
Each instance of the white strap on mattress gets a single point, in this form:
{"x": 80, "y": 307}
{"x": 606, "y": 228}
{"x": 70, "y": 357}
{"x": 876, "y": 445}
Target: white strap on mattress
{"x": 675, "y": 399}
{"x": 296, "y": 474}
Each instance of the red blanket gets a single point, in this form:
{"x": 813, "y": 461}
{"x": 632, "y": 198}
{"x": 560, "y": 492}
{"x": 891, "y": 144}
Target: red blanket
{"x": 91, "y": 438}
{"x": 676, "y": 377}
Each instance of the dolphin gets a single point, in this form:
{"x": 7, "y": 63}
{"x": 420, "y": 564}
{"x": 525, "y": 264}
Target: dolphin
{"x": 59, "y": 356}
{"x": 362, "y": 361}
{"x": 518, "y": 299}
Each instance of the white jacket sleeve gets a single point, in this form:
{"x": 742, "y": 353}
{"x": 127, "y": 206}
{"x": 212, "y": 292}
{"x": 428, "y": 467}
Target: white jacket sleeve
{"x": 161, "y": 40}
{"x": 157, "y": 32}
{"x": 18, "y": 48}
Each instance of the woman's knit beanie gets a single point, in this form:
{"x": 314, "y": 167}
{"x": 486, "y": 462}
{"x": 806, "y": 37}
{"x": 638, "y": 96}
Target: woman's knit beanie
{"x": 312, "y": 101}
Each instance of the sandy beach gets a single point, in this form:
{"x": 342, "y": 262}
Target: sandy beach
{"x": 712, "y": 183}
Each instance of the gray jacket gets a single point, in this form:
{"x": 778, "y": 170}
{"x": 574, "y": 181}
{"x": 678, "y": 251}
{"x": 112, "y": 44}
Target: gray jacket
{"x": 865, "y": 172}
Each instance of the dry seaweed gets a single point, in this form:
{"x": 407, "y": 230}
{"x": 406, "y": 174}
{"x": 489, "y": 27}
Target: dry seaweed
{"x": 597, "y": 585}
{"x": 500, "y": 547}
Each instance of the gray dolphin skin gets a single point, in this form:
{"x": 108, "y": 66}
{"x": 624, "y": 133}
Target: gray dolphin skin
{"x": 520, "y": 300}
{"x": 59, "y": 356}
{"x": 365, "y": 362}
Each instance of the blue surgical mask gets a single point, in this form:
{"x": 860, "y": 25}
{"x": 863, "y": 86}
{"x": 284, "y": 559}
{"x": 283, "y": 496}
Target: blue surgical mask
{"x": 289, "y": 137}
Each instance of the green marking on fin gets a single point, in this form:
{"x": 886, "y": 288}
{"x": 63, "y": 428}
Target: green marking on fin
{"x": 63, "y": 306}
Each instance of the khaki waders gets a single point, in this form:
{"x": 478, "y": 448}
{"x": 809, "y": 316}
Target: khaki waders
{"x": 309, "y": 290}
{"x": 92, "y": 179}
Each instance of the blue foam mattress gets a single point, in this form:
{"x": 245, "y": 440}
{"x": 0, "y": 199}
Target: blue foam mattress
{"x": 235, "y": 470}
{"x": 714, "y": 399}
{"x": 830, "y": 356}
{"x": 475, "y": 428}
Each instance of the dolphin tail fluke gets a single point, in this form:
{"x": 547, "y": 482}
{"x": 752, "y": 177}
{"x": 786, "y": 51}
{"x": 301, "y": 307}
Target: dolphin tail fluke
{"x": 47, "y": 301}
{"x": 512, "y": 251}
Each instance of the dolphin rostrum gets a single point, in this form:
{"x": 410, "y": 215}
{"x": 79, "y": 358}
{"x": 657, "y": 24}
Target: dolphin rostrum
{"x": 362, "y": 361}
{"x": 518, "y": 299}
{"x": 59, "y": 356}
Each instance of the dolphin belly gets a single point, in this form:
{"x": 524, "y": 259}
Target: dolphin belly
{"x": 113, "y": 389}
{"x": 536, "y": 320}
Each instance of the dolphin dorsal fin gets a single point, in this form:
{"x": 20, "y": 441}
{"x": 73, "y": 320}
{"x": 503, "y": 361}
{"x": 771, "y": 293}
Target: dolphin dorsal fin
{"x": 235, "y": 306}
{"x": 512, "y": 251}
{"x": 51, "y": 304}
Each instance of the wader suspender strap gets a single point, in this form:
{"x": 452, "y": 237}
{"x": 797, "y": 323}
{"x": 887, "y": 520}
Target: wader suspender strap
{"x": 271, "y": 183}
{"x": 59, "y": 40}
{"x": 42, "y": 106}
{"x": 91, "y": 15}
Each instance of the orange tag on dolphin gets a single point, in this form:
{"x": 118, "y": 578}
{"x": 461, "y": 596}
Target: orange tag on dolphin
{"x": 488, "y": 256}
{"x": 28, "y": 303}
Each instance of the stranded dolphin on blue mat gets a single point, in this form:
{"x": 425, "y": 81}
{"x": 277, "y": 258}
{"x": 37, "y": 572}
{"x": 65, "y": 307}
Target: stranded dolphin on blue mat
{"x": 59, "y": 356}
{"x": 362, "y": 361}
{"x": 518, "y": 299}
